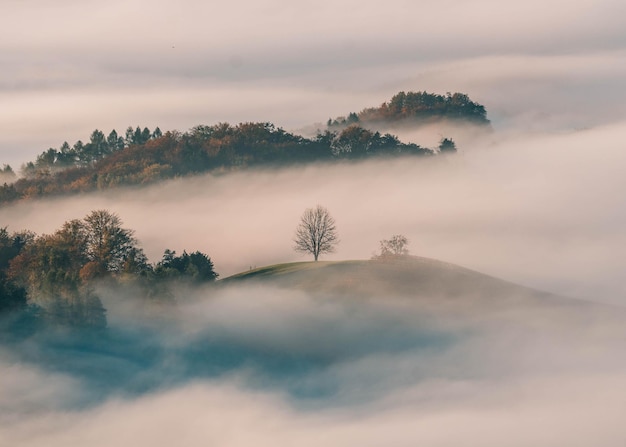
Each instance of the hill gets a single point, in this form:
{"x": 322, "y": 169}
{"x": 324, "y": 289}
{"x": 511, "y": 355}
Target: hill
{"x": 143, "y": 156}
{"x": 403, "y": 276}
{"x": 436, "y": 290}
{"x": 215, "y": 149}
{"x": 416, "y": 109}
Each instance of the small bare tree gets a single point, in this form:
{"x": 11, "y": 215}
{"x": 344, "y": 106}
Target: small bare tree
{"x": 316, "y": 233}
{"x": 396, "y": 246}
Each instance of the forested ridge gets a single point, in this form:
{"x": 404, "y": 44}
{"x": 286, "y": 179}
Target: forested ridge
{"x": 144, "y": 156}
{"x": 417, "y": 108}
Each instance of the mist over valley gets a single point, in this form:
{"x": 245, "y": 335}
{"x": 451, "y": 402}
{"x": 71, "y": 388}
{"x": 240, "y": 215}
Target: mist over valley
{"x": 462, "y": 161}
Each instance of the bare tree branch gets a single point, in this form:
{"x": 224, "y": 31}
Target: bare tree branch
{"x": 316, "y": 233}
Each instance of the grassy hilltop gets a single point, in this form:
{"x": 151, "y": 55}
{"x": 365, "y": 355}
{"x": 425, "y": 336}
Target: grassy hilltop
{"x": 406, "y": 276}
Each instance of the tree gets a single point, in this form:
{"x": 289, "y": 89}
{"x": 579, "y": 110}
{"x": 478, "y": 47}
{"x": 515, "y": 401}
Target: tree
{"x": 107, "y": 243}
{"x": 145, "y": 135}
{"x": 447, "y": 145}
{"x": 396, "y": 246}
{"x": 129, "y": 139}
{"x": 98, "y": 146}
{"x": 12, "y": 296}
{"x": 57, "y": 270}
{"x": 316, "y": 233}
{"x": 354, "y": 141}
{"x": 115, "y": 142}
{"x": 66, "y": 156}
{"x": 195, "y": 267}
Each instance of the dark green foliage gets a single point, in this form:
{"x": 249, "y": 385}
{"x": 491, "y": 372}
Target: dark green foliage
{"x": 135, "y": 262}
{"x": 356, "y": 142}
{"x": 84, "y": 154}
{"x": 419, "y": 107}
{"x": 66, "y": 156}
{"x": 447, "y": 145}
{"x": 9, "y": 193}
{"x": 115, "y": 142}
{"x": 12, "y": 296}
{"x": 7, "y": 172}
{"x": 195, "y": 267}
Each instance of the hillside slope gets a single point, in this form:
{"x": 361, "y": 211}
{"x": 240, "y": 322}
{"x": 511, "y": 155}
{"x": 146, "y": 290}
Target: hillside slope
{"x": 437, "y": 290}
{"x": 408, "y": 276}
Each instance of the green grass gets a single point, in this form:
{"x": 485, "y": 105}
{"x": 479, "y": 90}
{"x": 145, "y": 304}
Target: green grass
{"x": 426, "y": 282}
{"x": 277, "y": 270}
{"x": 406, "y": 276}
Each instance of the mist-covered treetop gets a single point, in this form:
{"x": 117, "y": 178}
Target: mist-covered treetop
{"x": 418, "y": 108}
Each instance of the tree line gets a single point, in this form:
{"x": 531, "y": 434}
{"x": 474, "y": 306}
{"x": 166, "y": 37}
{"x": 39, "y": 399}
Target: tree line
{"x": 143, "y": 156}
{"x": 84, "y": 154}
{"x": 54, "y": 275}
{"x": 417, "y": 107}
{"x": 218, "y": 148}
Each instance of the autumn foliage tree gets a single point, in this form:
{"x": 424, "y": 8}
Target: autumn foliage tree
{"x": 58, "y": 273}
{"x": 106, "y": 243}
{"x": 57, "y": 269}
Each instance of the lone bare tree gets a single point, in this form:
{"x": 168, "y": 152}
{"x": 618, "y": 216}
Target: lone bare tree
{"x": 316, "y": 232}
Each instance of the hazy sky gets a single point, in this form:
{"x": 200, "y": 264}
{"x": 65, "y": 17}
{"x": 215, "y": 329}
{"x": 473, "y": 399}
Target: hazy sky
{"x": 69, "y": 67}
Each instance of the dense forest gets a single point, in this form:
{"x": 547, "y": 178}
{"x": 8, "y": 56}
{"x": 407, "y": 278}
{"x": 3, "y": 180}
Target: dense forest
{"x": 417, "y": 108}
{"x": 143, "y": 156}
{"x": 52, "y": 278}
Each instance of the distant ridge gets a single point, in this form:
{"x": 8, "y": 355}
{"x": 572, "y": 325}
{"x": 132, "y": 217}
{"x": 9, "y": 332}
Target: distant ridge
{"x": 143, "y": 156}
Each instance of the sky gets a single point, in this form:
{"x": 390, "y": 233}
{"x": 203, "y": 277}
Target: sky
{"x": 71, "y": 67}
{"x": 538, "y": 201}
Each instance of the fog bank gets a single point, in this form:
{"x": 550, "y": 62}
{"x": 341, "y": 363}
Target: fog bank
{"x": 543, "y": 210}
{"x": 267, "y": 365}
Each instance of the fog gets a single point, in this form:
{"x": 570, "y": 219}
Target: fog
{"x": 543, "y": 210}
{"x": 271, "y": 365}
{"x": 537, "y": 201}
